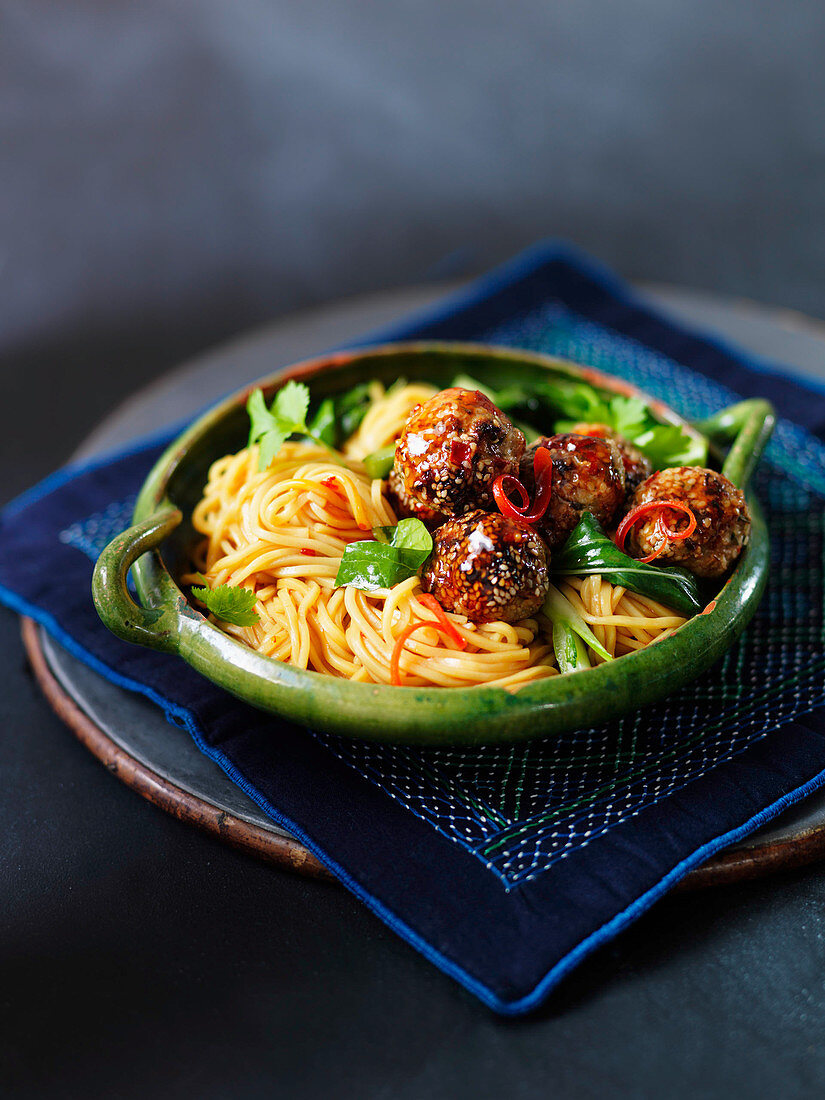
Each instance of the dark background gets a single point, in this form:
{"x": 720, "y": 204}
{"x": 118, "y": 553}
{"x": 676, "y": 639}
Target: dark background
{"x": 175, "y": 171}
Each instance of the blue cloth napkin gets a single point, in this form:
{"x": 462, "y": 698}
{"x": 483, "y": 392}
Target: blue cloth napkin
{"x": 507, "y": 866}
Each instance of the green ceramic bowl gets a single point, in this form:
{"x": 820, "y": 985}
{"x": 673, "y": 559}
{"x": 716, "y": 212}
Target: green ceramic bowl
{"x": 157, "y": 545}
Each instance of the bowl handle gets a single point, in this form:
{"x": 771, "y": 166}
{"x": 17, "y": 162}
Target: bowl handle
{"x": 747, "y": 427}
{"x": 155, "y": 627}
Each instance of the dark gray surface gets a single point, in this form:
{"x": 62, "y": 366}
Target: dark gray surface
{"x": 137, "y": 726}
{"x": 141, "y": 959}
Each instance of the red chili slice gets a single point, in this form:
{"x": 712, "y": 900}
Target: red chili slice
{"x": 500, "y": 487}
{"x": 527, "y": 513}
{"x": 543, "y": 473}
{"x": 308, "y": 553}
{"x": 449, "y": 628}
{"x": 662, "y": 528}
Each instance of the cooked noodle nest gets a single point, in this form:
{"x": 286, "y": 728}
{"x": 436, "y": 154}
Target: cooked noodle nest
{"x": 281, "y": 532}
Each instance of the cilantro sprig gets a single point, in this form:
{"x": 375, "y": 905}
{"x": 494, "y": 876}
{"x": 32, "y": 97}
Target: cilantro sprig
{"x": 334, "y": 421}
{"x": 271, "y": 427}
{"x": 565, "y": 403}
{"x": 230, "y": 604}
{"x": 664, "y": 444}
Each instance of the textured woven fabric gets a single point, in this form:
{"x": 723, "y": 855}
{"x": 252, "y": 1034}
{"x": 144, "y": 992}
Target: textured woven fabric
{"x": 506, "y": 865}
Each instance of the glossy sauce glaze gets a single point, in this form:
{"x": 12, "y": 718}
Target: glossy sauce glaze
{"x": 637, "y": 466}
{"x": 488, "y": 567}
{"x": 722, "y": 520}
{"x": 452, "y": 449}
{"x": 588, "y": 476}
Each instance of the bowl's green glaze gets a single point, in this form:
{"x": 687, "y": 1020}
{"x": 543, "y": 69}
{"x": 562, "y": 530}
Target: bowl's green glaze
{"x": 158, "y": 543}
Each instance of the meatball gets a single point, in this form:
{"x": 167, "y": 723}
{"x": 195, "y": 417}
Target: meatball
{"x": 405, "y": 506}
{"x": 588, "y": 476}
{"x": 722, "y": 520}
{"x": 452, "y": 449}
{"x": 488, "y": 567}
{"x": 637, "y": 466}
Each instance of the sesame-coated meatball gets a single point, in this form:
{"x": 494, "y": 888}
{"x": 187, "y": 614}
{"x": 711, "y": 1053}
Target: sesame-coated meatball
{"x": 452, "y": 449}
{"x": 405, "y": 506}
{"x": 588, "y": 476}
{"x": 637, "y": 466}
{"x": 722, "y": 520}
{"x": 488, "y": 567}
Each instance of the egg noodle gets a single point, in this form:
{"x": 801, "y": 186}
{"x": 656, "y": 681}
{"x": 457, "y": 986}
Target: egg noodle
{"x": 281, "y": 532}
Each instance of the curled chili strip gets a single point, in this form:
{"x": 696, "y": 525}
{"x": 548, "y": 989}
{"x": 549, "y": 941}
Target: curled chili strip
{"x": 441, "y": 615}
{"x": 527, "y": 513}
{"x": 662, "y": 532}
{"x": 401, "y": 641}
{"x": 661, "y": 527}
{"x": 501, "y": 486}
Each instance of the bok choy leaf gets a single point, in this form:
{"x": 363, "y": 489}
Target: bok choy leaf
{"x": 588, "y": 550}
{"x": 569, "y": 630}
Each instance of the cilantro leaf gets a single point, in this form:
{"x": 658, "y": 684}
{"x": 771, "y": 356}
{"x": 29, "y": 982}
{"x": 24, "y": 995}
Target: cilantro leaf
{"x": 567, "y": 403}
{"x": 291, "y": 405}
{"x": 397, "y": 554}
{"x": 230, "y": 604}
{"x": 265, "y": 428}
{"x": 270, "y": 443}
{"x": 261, "y": 419}
{"x": 629, "y": 416}
{"x": 576, "y": 401}
{"x": 664, "y": 444}
{"x": 668, "y": 445}
{"x": 334, "y": 421}
{"x": 271, "y": 427}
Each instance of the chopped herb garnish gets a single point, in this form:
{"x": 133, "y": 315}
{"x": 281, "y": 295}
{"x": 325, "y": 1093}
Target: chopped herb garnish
{"x": 334, "y": 421}
{"x": 558, "y": 406}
